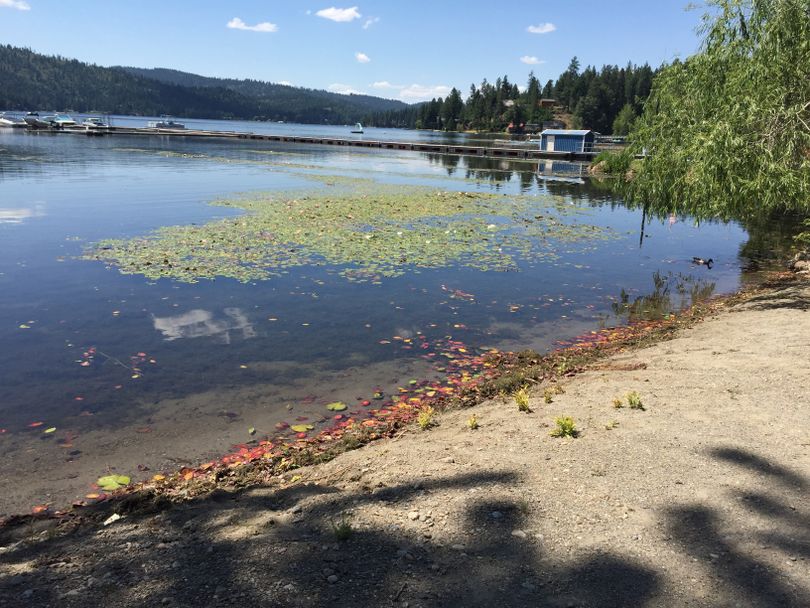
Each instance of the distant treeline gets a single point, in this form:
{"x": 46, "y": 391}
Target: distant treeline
{"x": 30, "y": 81}
{"x": 607, "y": 100}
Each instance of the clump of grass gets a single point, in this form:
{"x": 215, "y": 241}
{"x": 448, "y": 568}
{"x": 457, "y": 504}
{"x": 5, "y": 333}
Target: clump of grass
{"x": 566, "y": 427}
{"x": 618, "y": 403}
{"x": 611, "y": 425}
{"x": 550, "y": 391}
{"x": 472, "y": 422}
{"x": 522, "y": 399}
{"x": 342, "y": 529}
{"x": 425, "y": 418}
{"x": 634, "y": 401}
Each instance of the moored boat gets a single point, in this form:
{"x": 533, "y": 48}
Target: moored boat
{"x": 59, "y": 121}
{"x": 34, "y": 121}
{"x": 10, "y": 121}
{"x": 165, "y": 122}
{"x": 358, "y": 128}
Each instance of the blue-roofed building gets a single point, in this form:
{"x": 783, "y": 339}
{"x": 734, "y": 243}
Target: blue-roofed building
{"x": 567, "y": 140}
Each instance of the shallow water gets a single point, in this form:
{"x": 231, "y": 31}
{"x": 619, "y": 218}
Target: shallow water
{"x": 131, "y": 371}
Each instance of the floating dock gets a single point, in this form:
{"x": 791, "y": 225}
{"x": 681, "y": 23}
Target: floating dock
{"x": 514, "y": 153}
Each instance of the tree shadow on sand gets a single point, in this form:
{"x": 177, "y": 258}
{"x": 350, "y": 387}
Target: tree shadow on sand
{"x": 778, "y": 524}
{"x": 283, "y": 554}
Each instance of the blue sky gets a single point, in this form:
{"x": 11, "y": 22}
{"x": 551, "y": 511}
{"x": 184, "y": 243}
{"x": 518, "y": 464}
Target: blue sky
{"x": 404, "y": 49}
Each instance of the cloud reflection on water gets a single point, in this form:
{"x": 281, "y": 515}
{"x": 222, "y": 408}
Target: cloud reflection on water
{"x": 200, "y": 323}
{"x": 20, "y": 214}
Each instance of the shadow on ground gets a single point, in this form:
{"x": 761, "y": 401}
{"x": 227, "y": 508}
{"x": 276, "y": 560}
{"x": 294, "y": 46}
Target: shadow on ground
{"x": 264, "y": 547}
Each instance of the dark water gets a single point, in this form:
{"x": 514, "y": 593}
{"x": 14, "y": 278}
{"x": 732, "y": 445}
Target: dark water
{"x": 279, "y": 340}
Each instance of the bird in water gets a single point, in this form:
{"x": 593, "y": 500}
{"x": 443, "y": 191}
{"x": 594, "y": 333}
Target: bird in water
{"x": 701, "y": 262}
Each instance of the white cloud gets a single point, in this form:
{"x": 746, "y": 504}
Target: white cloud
{"x": 370, "y": 21}
{"x": 531, "y": 60}
{"x": 286, "y": 83}
{"x": 20, "y": 5}
{"x": 343, "y": 89}
{"x": 413, "y": 92}
{"x": 341, "y": 15}
{"x": 541, "y": 28}
{"x": 237, "y": 24}
{"x": 362, "y": 58}
{"x": 418, "y": 92}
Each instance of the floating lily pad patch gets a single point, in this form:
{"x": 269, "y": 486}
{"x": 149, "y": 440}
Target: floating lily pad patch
{"x": 112, "y": 482}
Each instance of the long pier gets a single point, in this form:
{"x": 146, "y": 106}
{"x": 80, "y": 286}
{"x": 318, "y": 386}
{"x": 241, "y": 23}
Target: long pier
{"x": 514, "y": 153}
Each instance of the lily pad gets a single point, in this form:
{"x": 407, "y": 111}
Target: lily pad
{"x": 302, "y": 428}
{"x": 336, "y": 406}
{"x": 374, "y": 231}
{"x": 112, "y": 482}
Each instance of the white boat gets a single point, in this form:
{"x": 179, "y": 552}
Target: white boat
{"x": 10, "y": 121}
{"x": 358, "y": 128}
{"x": 59, "y": 121}
{"x": 33, "y": 120}
{"x": 94, "y": 123}
{"x": 165, "y": 123}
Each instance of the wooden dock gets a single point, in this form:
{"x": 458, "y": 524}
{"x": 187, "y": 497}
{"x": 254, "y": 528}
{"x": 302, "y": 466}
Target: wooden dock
{"x": 436, "y": 148}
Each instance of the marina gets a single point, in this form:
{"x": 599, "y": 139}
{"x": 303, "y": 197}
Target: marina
{"x": 492, "y": 148}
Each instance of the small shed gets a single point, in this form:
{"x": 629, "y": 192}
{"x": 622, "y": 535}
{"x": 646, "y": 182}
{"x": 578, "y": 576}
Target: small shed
{"x": 567, "y": 140}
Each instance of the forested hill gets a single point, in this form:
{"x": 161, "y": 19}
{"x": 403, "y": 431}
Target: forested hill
{"x": 270, "y": 92}
{"x": 607, "y": 100}
{"x": 29, "y": 80}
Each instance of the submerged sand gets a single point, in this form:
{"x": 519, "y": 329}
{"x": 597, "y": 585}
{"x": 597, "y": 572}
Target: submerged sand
{"x": 699, "y": 499}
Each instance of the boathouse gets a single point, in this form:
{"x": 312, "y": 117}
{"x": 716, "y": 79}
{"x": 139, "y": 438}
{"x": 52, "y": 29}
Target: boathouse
{"x": 567, "y": 140}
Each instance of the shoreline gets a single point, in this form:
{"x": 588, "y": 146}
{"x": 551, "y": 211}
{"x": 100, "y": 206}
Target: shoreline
{"x": 469, "y": 380}
{"x": 696, "y": 498}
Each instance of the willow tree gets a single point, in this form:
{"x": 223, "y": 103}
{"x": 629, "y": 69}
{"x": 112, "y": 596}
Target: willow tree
{"x": 728, "y": 129}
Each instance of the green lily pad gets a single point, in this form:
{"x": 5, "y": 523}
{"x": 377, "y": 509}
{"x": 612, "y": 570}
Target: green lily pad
{"x": 405, "y": 228}
{"x": 337, "y": 406}
{"x": 302, "y": 428}
{"x": 112, "y": 482}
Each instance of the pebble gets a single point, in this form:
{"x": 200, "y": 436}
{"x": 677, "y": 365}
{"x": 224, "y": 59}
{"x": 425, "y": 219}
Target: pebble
{"x": 413, "y": 515}
{"x": 165, "y": 601}
{"x": 457, "y": 547}
{"x": 328, "y": 572}
{"x": 448, "y": 459}
{"x": 518, "y": 534}
{"x": 27, "y": 594}
{"x": 73, "y": 593}
{"x": 332, "y": 579}
{"x": 496, "y": 515}
{"x": 289, "y": 587}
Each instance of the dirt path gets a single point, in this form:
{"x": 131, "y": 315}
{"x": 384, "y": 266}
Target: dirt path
{"x": 699, "y": 499}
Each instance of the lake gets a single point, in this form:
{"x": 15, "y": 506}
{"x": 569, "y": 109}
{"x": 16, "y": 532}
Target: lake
{"x": 164, "y": 367}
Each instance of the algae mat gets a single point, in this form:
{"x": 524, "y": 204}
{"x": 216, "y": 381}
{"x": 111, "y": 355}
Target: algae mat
{"x": 361, "y": 229}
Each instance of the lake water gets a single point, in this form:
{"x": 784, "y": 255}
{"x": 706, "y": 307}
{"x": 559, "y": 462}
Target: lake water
{"x": 139, "y": 375}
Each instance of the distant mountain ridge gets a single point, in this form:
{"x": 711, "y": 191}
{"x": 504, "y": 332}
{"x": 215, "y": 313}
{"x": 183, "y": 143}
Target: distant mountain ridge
{"x": 268, "y": 91}
{"x": 29, "y": 80}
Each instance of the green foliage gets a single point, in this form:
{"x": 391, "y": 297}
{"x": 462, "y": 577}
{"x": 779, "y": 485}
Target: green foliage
{"x": 614, "y": 163}
{"x": 425, "y": 419}
{"x": 618, "y": 403}
{"x": 623, "y": 123}
{"x": 595, "y": 97}
{"x": 342, "y": 529}
{"x": 634, "y": 401}
{"x": 472, "y": 422}
{"x": 521, "y": 397}
{"x": 566, "y": 427}
{"x": 32, "y": 81}
{"x": 728, "y": 129}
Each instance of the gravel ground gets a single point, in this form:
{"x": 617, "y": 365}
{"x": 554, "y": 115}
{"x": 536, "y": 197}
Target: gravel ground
{"x": 698, "y": 499}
